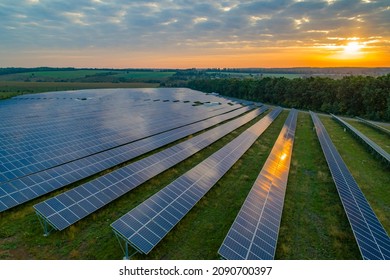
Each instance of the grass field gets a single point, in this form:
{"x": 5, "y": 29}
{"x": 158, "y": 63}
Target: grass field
{"x": 314, "y": 225}
{"x": 80, "y": 74}
{"x": 313, "y": 218}
{"x": 73, "y": 74}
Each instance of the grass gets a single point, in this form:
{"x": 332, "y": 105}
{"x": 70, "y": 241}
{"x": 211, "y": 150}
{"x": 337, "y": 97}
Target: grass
{"x": 313, "y": 226}
{"x": 313, "y": 218}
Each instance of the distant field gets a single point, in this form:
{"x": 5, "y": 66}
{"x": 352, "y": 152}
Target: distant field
{"x": 51, "y": 74}
{"x": 80, "y": 74}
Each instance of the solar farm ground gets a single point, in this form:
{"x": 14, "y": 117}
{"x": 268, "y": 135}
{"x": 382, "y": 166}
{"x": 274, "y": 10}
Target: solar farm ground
{"x": 313, "y": 226}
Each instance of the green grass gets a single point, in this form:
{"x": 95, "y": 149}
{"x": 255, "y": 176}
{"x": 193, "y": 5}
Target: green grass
{"x": 314, "y": 225}
{"x": 380, "y": 138}
{"x": 86, "y": 76}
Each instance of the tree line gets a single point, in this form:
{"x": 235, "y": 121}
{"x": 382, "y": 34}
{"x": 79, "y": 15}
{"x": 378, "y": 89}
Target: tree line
{"x": 363, "y": 96}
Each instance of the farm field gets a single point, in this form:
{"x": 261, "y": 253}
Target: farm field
{"x": 313, "y": 218}
{"x": 80, "y": 75}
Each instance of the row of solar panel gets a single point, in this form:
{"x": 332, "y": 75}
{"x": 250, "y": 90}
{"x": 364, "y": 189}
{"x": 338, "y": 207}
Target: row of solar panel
{"x": 69, "y": 207}
{"x": 371, "y": 237}
{"x": 111, "y": 118}
{"x": 81, "y": 116}
{"x": 374, "y": 125}
{"x": 27, "y": 188}
{"x": 148, "y": 223}
{"x": 38, "y": 155}
{"x": 106, "y": 120}
{"x": 254, "y": 232}
{"x": 121, "y": 99}
{"x": 30, "y": 163}
{"x": 371, "y": 144}
{"x": 101, "y": 128}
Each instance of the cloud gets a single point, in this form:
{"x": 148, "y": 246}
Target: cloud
{"x": 185, "y": 26}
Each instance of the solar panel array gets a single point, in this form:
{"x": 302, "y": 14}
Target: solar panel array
{"x": 371, "y": 237}
{"x": 71, "y": 206}
{"x": 147, "y": 224}
{"x": 36, "y": 153}
{"x": 374, "y": 125}
{"x": 24, "y": 189}
{"x": 254, "y": 233}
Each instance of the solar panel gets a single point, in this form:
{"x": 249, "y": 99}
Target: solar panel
{"x": 371, "y": 144}
{"x": 42, "y": 155}
{"x": 254, "y": 233}
{"x": 374, "y": 125}
{"x": 87, "y": 198}
{"x": 147, "y": 224}
{"x": 371, "y": 237}
{"x": 27, "y": 188}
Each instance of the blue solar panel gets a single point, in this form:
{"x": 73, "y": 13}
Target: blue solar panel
{"x": 182, "y": 194}
{"x": 139, "y": 172}
{"x": 48, "y": 180}
{"x": 254, "y": 232}
{"x": 372, "y": 239}
{"x": 41, "y": 153}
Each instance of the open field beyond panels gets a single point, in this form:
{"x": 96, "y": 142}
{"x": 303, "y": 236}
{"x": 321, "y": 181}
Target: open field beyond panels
{"x": 313, "y": 225}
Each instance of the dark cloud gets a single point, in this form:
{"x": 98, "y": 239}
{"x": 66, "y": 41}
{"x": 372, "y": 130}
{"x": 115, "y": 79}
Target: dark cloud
{"x": 149, "y": 26}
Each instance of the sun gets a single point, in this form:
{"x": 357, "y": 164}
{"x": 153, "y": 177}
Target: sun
{"x": 352, "y": 49}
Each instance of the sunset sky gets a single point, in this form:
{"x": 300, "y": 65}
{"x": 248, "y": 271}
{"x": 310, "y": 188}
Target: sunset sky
{"x": 190, "y": 33}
